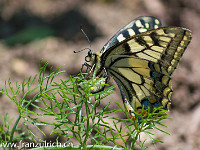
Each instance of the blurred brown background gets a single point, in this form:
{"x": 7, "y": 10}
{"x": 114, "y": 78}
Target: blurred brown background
{"x": 49, "y": 29}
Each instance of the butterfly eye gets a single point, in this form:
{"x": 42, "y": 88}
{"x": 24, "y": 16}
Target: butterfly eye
{"x": 89, "y": 53}
{"x": 89, "y": 56}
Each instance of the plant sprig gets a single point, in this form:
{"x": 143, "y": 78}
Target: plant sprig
{"x": 76, "y": 113}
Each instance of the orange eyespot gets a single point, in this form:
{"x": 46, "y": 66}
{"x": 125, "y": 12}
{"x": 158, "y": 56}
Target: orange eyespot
{"x": 139, "y": 111}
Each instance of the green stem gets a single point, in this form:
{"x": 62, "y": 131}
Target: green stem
{"x": 13, "y": 131}
{"x": 88, "y": 122}
{"x": 136, "y": 137}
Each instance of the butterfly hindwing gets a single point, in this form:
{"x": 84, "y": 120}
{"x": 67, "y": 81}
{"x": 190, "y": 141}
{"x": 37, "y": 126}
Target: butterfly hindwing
{"x": 140, "y": 80}
{"x": 142, "y": 65}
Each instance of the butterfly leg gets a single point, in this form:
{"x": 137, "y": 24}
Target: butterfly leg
{"x": 87, "y": 65}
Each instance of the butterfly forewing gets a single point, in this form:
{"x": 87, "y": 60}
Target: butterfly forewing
{"x": 137, "y": 26}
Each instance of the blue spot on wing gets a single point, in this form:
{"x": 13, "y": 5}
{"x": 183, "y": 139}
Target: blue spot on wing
{"x": 155, "y": 104}
{"x": 151, "y": 65}
{"x": 153, "y": 74}
{"x": 145, "y": 103}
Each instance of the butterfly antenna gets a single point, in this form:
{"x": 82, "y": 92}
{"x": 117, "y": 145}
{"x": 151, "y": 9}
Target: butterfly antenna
{"x": 85, "y": 35}
{"x": 82, "y": 50}
{"x": 87, "y": 39}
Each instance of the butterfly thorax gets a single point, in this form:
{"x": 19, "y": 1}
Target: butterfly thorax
{"x": 95, "y": 61}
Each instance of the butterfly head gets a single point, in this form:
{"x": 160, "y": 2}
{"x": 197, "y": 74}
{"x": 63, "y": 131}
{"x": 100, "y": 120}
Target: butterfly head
{"x": 93, "y": 58}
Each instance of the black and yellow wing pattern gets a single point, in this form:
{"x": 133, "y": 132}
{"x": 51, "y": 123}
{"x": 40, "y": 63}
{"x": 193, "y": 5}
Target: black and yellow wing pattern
{"x": 141, "y": 57}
